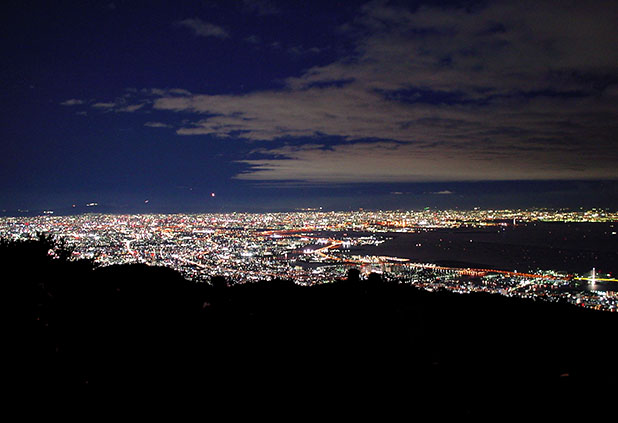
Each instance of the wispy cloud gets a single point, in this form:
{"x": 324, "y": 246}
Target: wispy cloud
{"x": 157, "y": 125}
{"x": 104, "y": 105}
{"x": 204, "y": 29}
{"x": 253, "y": 39}
{"x": 119, "y": 105}
{"x": 72, "y": 102}
{"x": 131, "y": 108}
{"x": 300, "y": 50}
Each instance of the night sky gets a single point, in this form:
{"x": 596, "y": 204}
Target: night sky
{"x": 274, "y": 105}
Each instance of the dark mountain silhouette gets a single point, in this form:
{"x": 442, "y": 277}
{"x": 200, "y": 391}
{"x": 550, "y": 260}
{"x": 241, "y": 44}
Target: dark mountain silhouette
{"x": 73, "y": 326}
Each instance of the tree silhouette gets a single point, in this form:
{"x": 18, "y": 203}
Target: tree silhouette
{"x": 73, "y": 324}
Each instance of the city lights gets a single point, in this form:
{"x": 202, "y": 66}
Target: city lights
{"x": 311, "y": 247}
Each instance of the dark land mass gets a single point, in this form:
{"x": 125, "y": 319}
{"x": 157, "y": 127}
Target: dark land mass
{"x": 567, "y": 247}
{"x": 360, "y": 344}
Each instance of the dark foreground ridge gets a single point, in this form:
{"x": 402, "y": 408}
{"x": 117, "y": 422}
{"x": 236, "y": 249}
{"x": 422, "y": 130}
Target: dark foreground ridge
{"x": 74, "y": 326}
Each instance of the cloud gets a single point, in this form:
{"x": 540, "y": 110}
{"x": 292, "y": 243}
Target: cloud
{"x": 510, "y": 90}
{"x": 443, "y": 192}
{"x": 157, "y": 125}
{"x": 204, "y": 29}
{"x": 72, "y": 102}
{"x": 501, "y": 49}
{"x": 104, "y": 105}
{"x": 131, "y": 108}
{"x": 253, "y": 39}
{"x": 396, "y": 162}
{"x": 159, "y": 92}
{"x": 119, "y": 105}
{"x": 300, "y": 50}
{"x": 133, "y": 99}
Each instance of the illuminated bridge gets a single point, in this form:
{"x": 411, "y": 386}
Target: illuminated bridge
{"x": 592, "y": 278}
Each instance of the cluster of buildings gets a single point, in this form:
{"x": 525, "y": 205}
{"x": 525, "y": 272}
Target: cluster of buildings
{"x": 544, "y": 286}
{"x": 308, "y": 247}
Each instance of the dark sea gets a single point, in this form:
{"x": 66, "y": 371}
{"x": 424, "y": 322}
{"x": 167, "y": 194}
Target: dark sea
{"x": 574, "y": 248}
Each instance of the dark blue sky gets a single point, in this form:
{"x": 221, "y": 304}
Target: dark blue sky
{"x": 283, "y": 105}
